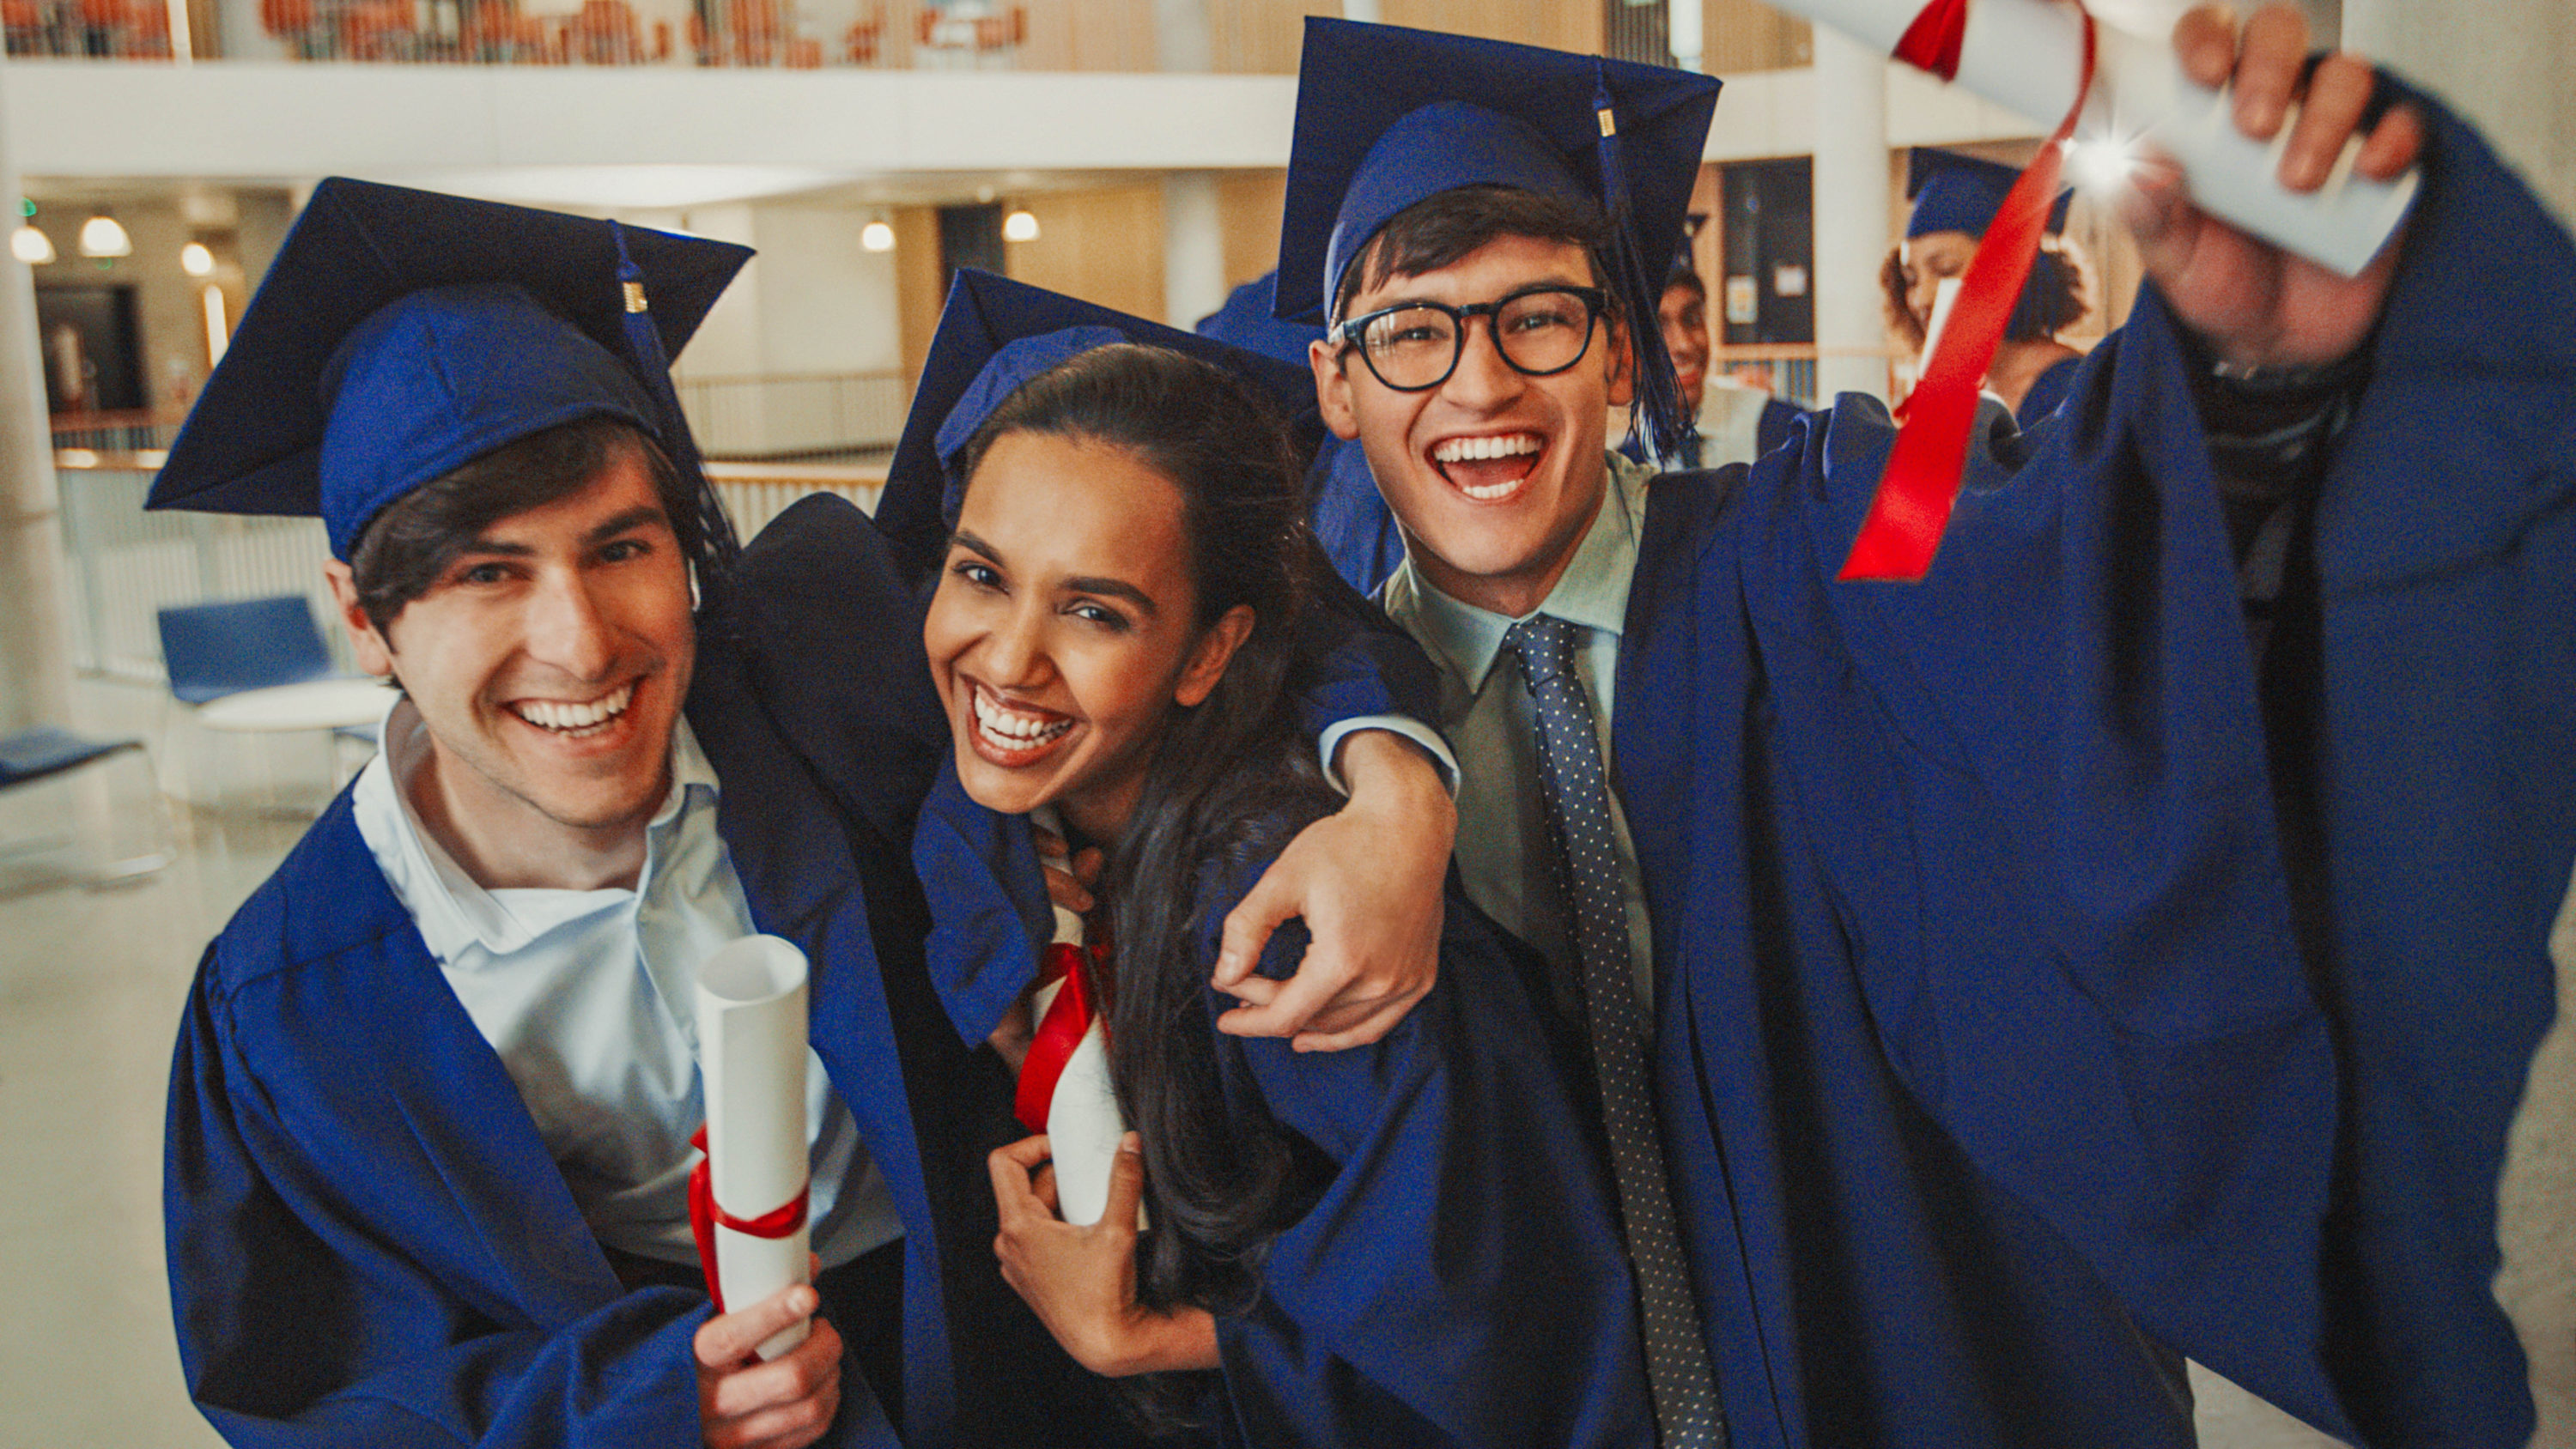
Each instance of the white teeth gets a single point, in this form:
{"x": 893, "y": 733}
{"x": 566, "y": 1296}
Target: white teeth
{"x": 1010, "y": 729}
{"x": 1490, "y": 491}
{"x": 1460, "y": 450}
{"x": 565, "y": 717}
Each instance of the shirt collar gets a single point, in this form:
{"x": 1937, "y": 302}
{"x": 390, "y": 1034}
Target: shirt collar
{"x": 1592, "y": 592}
{"x": 451, "y": 909}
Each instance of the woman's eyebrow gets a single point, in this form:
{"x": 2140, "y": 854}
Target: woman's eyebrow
{"x": 1115, "y": 588}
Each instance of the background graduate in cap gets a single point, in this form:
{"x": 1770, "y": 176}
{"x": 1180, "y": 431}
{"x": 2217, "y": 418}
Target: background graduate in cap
{"x": 1955, "y": 199}
{"x": 1403, "y": 1243}
{"x": 1988, "y": 1074}
{"x": 1731, "y": 421}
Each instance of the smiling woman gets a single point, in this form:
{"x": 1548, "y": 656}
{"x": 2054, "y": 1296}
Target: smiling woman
{"x": 1112, "y": 636}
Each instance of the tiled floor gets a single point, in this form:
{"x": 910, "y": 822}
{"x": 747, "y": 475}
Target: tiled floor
{"x": 91, "y": 985}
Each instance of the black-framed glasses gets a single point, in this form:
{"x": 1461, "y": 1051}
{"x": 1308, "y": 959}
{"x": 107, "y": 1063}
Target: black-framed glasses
{"x": 1539, "y": 331}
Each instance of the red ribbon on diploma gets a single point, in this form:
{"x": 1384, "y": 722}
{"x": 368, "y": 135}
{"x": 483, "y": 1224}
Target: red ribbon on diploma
{"x": 1912, "y": 507}
{"x": 1068, "y": 1016}
{"x": 705, "y": 1217}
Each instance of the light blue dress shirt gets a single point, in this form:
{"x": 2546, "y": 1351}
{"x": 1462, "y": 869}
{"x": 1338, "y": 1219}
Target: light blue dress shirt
{"x": 589, "y": 998}
{"x": 1504, "y": 843}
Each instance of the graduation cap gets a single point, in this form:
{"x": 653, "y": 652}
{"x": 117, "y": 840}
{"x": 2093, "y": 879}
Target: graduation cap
{"x": 1249, "y": 320}
{"x": 401, "y": 334}
{"x": 1952, "y": 192}
{"x": 995, "y": 335}
{"x": 1387, "y": 117}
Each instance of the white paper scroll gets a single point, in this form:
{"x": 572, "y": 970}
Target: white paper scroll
{"x": 751, "y": 1053}
{"x": 2027, "y": 55}
{"x": 1084, "y": 1124}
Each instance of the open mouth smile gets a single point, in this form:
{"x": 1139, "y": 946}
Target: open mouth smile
{"x": 576, "y": 720}
{"x": 1488, "y": 468}
{"x": 1014, "y": 734}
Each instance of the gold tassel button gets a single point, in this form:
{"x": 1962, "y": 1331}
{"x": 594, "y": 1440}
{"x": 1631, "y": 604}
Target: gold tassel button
{"x": 634, "y": 296}
{"x": 1609, "y": 122}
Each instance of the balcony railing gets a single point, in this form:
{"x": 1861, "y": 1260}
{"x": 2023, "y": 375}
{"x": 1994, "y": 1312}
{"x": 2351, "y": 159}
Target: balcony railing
{"x": 960, "y": 34}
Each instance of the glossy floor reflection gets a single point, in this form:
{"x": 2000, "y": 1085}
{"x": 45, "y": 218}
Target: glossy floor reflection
{"x": 91, "y": 986}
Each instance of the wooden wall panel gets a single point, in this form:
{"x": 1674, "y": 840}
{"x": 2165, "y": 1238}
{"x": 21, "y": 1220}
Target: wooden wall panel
{"x": 1552, "y": 23}
{"x": 1249, "y": 205}
{"x": 916, "y": 279}
{"x": 1742, "y": 35}
{"x": 1104, "y": 246}
{"x": 1089, "y": 35}
{"x": 1261, "y": 37}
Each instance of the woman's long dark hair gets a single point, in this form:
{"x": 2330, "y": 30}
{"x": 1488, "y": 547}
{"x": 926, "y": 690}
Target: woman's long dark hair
{"x": 1229, "y": 780}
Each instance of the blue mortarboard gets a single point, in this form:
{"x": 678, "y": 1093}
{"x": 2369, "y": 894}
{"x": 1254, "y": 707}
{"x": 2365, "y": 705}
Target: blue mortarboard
{"x": 996, "y": 334}
{"x": 1387, "y": 117}
{"x": 1249, "y": 320}
{"x": 1952, "y": 192}
{"x": 400, "y": 334}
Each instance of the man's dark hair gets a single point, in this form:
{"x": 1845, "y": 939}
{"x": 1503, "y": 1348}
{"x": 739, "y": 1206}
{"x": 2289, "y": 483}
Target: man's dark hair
{"x": 409, "y": 546}
{"x": 1683, "y": 275}
{"x": 1441, "y": 229}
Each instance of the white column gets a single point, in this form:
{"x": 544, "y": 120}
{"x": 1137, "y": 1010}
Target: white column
{"x": 1850, "y": 179}
{"x": 2502, "y": 63}
{"x": 1684, "y": 33}
{"x": 1193, "y": 248}
{"x": 1182, "y": 37}
{"x": 35, "y": 660}
{"x": 1363, "y": 10}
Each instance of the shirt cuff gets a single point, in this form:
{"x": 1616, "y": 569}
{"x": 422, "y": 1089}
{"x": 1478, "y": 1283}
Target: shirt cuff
{"x": 1395, "y": 724}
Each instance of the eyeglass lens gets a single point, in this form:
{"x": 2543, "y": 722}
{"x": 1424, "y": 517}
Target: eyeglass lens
{"x": 1537, "y": 332}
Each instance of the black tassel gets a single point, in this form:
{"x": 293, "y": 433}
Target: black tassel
{"x": 717, "y": 547}
{"x": 1660, "y": 417}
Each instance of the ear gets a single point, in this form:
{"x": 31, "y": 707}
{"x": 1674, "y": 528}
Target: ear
{"x": 1333, "y": 389}
{"x": 1209, "y": 656}
{"x": 1623, "y": 365}
{"x": 374, "y": 653}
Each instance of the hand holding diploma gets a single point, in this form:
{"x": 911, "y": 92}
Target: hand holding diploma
{"x": 1081, "y": 1281}
{"x": 2256, "y": 302}
{"x": 784, "y": 1403}
{"x": 747, "y": 1199}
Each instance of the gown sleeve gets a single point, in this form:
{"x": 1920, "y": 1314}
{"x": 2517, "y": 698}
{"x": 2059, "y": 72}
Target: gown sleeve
{"x": 2039, "y": 790}
{"x": 301, "y": 1325}
{"x": 1458, "y": 1280}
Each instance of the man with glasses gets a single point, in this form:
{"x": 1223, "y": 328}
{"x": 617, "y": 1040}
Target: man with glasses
{"x": 1944, "y": 925}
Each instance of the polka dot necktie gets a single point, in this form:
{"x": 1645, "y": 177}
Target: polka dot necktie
{"x": 1587, "y": 872}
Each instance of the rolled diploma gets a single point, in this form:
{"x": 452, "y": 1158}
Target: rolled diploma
{"x": 2027, "y": 55}
{"x": 751, "y": 1053}
{"x": 1083, "y": 1120}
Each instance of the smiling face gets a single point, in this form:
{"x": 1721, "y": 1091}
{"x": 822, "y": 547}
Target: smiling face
{"x": 548, "y": 661}
{"x": 1064, "y": 628}
{"x": 1683, "y": 316}
{"x": 1494, "y": 474}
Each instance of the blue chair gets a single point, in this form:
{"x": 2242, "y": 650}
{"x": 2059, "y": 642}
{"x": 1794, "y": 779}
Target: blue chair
{"x": 259, "y": 666}
{"x": 45, "y": 752}
{"x": 212, "y": 650}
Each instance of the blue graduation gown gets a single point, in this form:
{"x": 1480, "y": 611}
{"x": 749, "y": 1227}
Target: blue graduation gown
{"x": 1457, "y": 1280}
{"x": 1984, "y": 1048}
{"x": 2434, "y": 760}
{"x": 2047, "y": 392}
{"x": 369, "y": 1242}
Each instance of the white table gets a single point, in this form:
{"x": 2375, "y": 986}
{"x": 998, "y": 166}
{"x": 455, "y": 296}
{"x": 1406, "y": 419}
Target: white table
{"x": 316, "y": 704}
